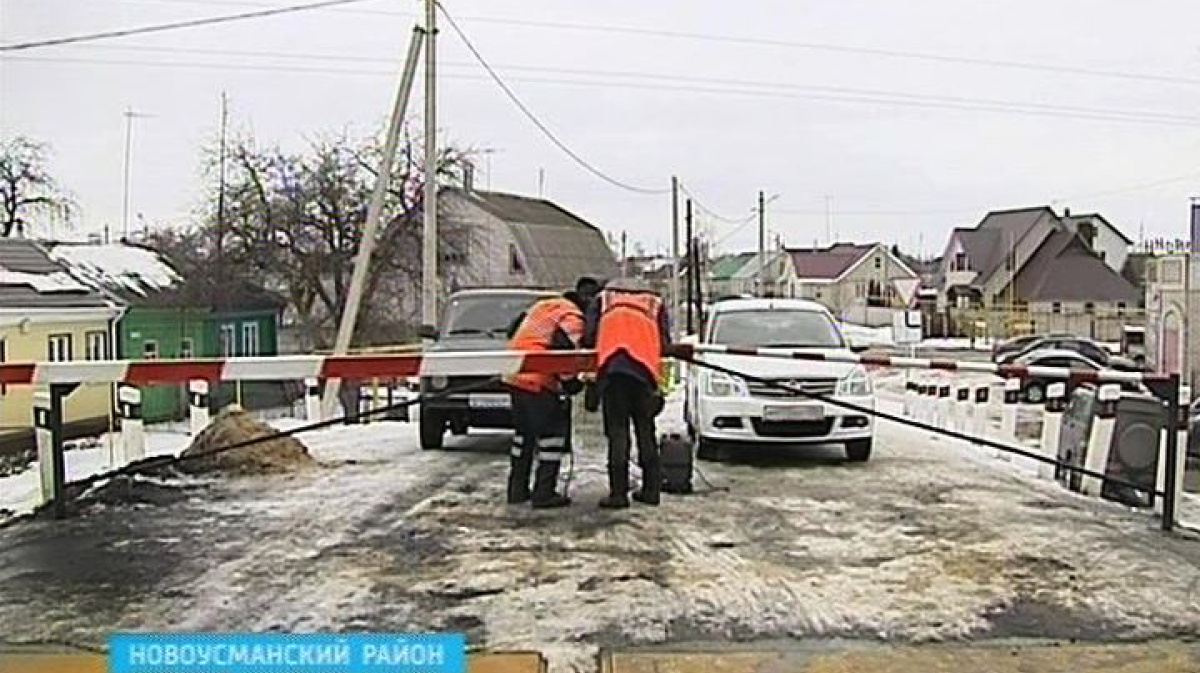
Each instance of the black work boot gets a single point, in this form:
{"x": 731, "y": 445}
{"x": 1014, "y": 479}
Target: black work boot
{"x": 650, "y": 492}
{"x": 518, "y": 480}
{"x": 618, "y": 482}
{"x": 544, "y": 483}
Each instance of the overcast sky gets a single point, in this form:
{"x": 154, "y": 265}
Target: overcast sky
{"x": 728, "y": 116}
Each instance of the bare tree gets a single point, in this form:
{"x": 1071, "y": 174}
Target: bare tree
{"x": 293, "y": 222}
{"x": 27, "y": 190}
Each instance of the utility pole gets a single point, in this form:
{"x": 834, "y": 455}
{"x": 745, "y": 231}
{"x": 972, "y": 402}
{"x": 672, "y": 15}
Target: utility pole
{"x": 761, "y": 279}
{"x": 691, "y": 243}
{"x": 675, "y": 251}
{"x": 624, "y": 255}
{"x": 366, "y": 246}
{"x": 130, "y": 115}
{"x": 829, "y": 220}
{"x": 429, "y": 266}
{"x": 220, "y": 244}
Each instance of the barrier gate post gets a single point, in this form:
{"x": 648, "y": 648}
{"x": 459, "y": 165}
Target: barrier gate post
{"x": 1056, "y": 404}
{"x": 197, "y": 406}
{"x": 1174, "y": 475}
{"x": 1008, "y": 417}
{"x": 312, "y": 400}
{"x": 43, "y": 430}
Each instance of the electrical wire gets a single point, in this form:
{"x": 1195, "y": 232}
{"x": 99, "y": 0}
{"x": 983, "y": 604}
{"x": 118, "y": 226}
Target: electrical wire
{"x": 710, "y": 212}
{"x": 512, "y": 96}
{"x": 176, "y": 25}
{"x": 758, "y": 41}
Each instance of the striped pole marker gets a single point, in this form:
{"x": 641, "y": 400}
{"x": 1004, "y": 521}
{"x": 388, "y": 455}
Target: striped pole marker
{"x": 1056, "y": 405}
{"x": 980, "y": 411}
{"x": 198, "y": 405}
{"x": 1100, "y": 442}
{"x": 312, "y": 399}
{"x": 133, "y": 432}
{"x": 43, "y": 424}
{"x": 1008, "y": 415}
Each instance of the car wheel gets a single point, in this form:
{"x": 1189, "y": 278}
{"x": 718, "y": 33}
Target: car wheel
{"x": 859, "y": 450}
{"x": 433, "y": 430}
{"x": 1035, "y": 393}
{"x": 707, "y": 449}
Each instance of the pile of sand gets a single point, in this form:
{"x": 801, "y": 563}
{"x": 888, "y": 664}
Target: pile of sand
{"x": 232, "y": 426}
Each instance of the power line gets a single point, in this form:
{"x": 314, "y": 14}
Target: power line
{"x": 783, "y": 91}
{"x": 177, "y": 25}
{"x": 767, "y": 42}
{"x": 711, "y": 213}
{"x": 512, "y": 96}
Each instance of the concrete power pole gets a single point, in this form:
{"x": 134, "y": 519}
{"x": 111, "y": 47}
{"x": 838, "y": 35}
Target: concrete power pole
{"x": 675, "y": 250}
{"x": 366, "y": 246}
{"x": 761, "y": 279}
{"x": 429, "y": 260}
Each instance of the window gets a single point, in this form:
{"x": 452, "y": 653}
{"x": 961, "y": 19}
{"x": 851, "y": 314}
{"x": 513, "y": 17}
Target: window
{"x": 878, "y": 262}
{"x": 1120, "y": 308}
{"x": 780, "y": 328}
{"x": 1056, "y": 307}
{"x": 1089, "y": 307}
{"x": 250, "y": 338}
{"x": 97, "y": 345}
{"x": 150, "y": 349}
{"x": 187, "y": 348}
{"x": 228, "y": 340}
{"x": 960, "y": 262}
{"x": 59, "y": 348}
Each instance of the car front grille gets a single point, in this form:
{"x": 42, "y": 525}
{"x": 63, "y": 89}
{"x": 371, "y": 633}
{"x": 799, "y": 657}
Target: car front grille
{"x": 810, "y": 386}
{"x": 792, "y": 428}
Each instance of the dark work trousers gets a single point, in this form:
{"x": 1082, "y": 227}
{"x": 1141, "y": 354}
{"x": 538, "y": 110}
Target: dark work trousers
{"x": 543, "y": 430}
{"x": 627, "y": 400}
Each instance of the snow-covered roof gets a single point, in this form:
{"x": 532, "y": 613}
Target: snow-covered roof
{"x": 45, "y": 283}
{"x": 125, "y": 269}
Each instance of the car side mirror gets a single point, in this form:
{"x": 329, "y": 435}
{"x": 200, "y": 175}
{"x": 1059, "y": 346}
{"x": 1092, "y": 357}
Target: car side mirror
{"x": 428, "y": 332}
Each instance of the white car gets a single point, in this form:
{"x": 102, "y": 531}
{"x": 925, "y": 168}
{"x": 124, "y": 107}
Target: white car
{"x": 725, "y": 410}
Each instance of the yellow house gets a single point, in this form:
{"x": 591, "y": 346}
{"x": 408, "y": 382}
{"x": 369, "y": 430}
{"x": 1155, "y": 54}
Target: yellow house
{"x": 45, "y": 315}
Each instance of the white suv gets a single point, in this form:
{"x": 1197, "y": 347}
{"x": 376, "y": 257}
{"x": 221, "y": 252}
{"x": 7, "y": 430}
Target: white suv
{"x": 722, "y": 409}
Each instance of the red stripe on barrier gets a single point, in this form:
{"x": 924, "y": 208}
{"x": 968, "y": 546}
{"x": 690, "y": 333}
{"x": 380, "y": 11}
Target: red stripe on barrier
{"x": 1078, "y": 376}
{"x": 17, "y": 374}
{"x": 568, "y": 362}
{"x": 875, "y": 360}
{"x": 814, "y": 357}
{"x": 947, "y": 365}
{"x": 145, "y": 372}
{"x": 370, "y": 366}
{"x": 739, "y": 350}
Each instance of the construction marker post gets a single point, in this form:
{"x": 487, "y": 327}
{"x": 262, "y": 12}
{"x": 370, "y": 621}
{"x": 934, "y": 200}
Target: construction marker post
{"x": 133, "y": 432}
{"x": 962, "y": 409}
{"x": 1100, "y": 441}
{"x": 1008, "y": 415}
{"x": 1052, "y": 416}
{"x": 312, "y": 400}
{"x": 44, "y": 432}
{"x": 198, "y": 405}
{"x": 945, "y": 406}
{"x": 980, "y": 411}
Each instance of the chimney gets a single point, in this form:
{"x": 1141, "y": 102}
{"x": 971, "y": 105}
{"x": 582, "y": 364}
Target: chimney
{"x": 468, "y": 182}
{"x": 1066, "y": 212}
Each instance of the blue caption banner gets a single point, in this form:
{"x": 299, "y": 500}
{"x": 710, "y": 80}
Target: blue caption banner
{"x": 287, "y": 653}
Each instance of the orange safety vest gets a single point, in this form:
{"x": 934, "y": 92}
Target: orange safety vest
{"x": 536, "y": 333}
{"x": 629, "y": 323}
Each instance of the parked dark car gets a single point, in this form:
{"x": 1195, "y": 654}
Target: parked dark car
{"x": 475, "y": 320}
{"x": 1084, "y": 346}
{"x": 1033, "y": 388}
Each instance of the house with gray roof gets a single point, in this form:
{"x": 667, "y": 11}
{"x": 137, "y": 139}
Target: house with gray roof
{"x": 46, "y": 315}
{"x": 520, "y": 241}
{"x": 859, "y": 282}
{"x": 1049, "y": 272}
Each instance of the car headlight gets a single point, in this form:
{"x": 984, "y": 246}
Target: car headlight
{"x": 855, "y": 384}
{"x": 438, "y": 382}
{"x": 723, "y": 385}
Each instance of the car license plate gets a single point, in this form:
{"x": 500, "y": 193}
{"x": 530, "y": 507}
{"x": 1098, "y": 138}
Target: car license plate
{"x": 490, "y": 401}
{"x": 800, "y": 412}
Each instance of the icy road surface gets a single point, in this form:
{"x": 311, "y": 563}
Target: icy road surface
{"x": 931, "y": 540}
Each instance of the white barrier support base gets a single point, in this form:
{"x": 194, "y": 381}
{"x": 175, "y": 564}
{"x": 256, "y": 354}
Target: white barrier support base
{"x": 44, "y": 436}
{"x": 198, "y": 403}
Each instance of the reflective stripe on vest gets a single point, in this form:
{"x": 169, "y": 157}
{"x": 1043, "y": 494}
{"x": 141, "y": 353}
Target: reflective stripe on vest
{"x": 536, "y": 333}
{"x": 629, "y": 323}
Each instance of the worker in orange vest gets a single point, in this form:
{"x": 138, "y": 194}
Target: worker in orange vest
{"x": 541, "y": 402}
{"x": 628, "y": 326}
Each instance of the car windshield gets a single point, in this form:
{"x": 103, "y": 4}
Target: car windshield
{"x": 775, "y": 327}
{"x": 484, "y": 315}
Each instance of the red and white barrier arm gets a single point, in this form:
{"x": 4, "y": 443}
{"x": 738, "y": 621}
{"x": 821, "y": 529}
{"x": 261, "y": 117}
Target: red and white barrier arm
{"x": 1006, "y": 371}
{"x": 289, "y": 367}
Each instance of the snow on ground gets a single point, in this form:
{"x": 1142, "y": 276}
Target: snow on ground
{"x": 20, "y": 493}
